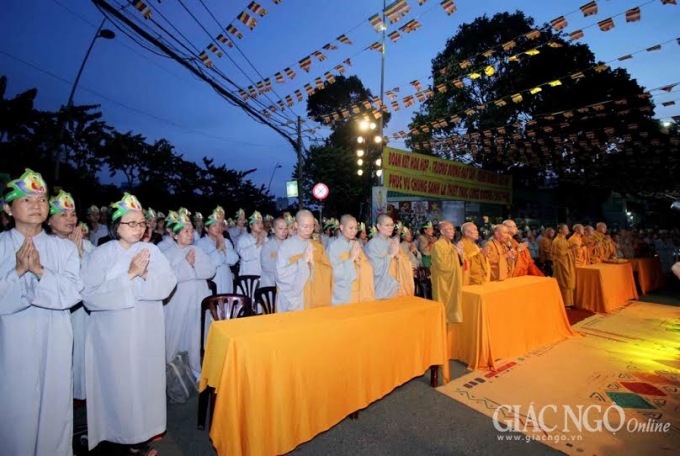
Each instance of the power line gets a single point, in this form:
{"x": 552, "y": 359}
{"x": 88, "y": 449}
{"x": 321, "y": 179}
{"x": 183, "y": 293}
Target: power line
{"x": 123, "y": 105}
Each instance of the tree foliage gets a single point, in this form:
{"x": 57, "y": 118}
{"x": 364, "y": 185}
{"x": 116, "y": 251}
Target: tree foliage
{"x": 608, "y": 121}
{"x": 89, "y": 148}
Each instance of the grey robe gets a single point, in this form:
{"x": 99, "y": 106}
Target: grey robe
{"x": 377, "y": 251}
{"x": 291, "y": 278}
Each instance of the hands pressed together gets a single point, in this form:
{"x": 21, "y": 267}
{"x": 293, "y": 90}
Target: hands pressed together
{"x": 28, "y": 259}
{"x": 139, "y": 264}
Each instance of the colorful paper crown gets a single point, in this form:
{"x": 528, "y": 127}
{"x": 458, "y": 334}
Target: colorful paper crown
{"x": 61, "y": 203}
{"x": 129, "y": 203}
{"x": 104, "y": 209}
{"x": 256, "y": 217}
{"x": 181, "y": 222}
{"x": 231, "y": 222}
{"x": 331, "y": 223}
{"x": 240, "y": 214}
{"x": 198, "y": 216}
{"x": 361, "y": 227}
{"x": 289, "y": 219}
{"x": 427, "y": 225}
{"x": 214, "y": 217}
{"x": 405, "y": 231}
{"x": 268, "y": 218}
{"x": 372, "y": 232}
{"x": 29, "y": 184}
{"x": 92, "y": 209}
{"x": 150, "y": 214}
{"x": 160, "y": 215}
{"x": 171, "y": 219}
{"x": 84, "y": 228}
{"x": 184, "y": 210}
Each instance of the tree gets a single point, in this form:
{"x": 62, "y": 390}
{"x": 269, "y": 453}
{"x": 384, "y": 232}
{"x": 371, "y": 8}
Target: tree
{"x": 505, "y": 120}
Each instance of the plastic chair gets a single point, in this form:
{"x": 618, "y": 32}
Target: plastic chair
{"x": 247, "y": 285}
{"x": 265, "y": 297}
{"x": 221, "y": 307}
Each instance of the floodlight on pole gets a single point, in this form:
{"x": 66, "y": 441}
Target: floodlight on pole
{"x": 378, "y": 139}
{"x": 360, "y": 140}
{"x": 360, "y": 172}
{"x": 360, "y": 152}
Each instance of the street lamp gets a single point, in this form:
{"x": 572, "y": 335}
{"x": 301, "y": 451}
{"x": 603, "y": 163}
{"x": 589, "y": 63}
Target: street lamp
{"x": 272, "y": 178}
{"x": 101, "y": 33}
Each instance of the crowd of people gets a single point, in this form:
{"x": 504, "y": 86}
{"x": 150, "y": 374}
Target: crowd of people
{"x": 95, "y": 311}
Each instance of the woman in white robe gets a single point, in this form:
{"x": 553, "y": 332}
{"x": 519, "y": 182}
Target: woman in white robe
{"x": 126, "y": 282}
{"x": 221, "y": 252}
{"x": 182, "y": 312}
{"x": 63, "y": 223}
{"x": 39, "y": 283}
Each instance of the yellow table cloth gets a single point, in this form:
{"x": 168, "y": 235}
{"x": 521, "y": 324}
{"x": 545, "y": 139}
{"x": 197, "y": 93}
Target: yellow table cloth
{"x": 283, "y": 378}
{"x": 603, "y": 288}
{"x": 507, "y": 319}
{"x": 649, "y": 273}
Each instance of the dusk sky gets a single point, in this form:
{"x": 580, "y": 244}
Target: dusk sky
{"x": 42, "y": 43}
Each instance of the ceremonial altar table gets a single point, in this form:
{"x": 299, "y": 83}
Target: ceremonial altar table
{"x": 604, "y": 287}
{"x": 507, "y": 319}
{"x": 283, "y": 378}
{"x": 649, "y": 273}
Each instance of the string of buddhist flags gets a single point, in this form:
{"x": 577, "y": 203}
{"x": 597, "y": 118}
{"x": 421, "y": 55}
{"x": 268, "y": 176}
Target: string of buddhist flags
{"x": 568, "y": 117}
{"x": 518, "y": 97}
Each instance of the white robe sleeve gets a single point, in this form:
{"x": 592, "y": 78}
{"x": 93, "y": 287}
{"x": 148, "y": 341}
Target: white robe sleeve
{"x": 385, "y": 285}
{"x": 344, "y": 272}
{"x": 10, "y": 293}
{"x": 231, "y": 255}
{"x": 59, "y": 290}
{"x": 291, "y": 278}
{"x": 160, "y": 280}
{"x": 107, "y": 293}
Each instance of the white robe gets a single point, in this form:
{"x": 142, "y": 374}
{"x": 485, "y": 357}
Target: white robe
{"x": 125, "y": 345}
{"x": 183, "y": 310}
{"x": 236, "y": 232}
{"x": 377, "y": 251}
{"x": 249, "y": 252}
{"x": 344, "y": 272}
{"x": 36, "y": 343}
{"x": 79, "y": 319}
{"x": 166, "y": 242}
{"x": 100, "y": 232}
{"x": 268, "y": 262}
{"x": 224, "y": 279}
{"x": 291, "y": 278}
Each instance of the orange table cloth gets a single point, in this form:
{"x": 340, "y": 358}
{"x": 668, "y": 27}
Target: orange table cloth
{"x": 507, "y": 319}
{"x": 603, "y": 288}
{"x": 649, "y": 273}
{"x": 283, "y": 378}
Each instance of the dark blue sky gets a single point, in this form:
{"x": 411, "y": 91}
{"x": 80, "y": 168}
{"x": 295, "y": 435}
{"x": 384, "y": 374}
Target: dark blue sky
{"x": 158, "y": 98}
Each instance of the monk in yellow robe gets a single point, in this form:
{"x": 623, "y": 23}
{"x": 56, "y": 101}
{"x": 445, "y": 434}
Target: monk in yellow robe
{"x": 590, "y": 240}
{"x": 352, "y": 272}
{"x": 447, "y": 273}
{"x": 608, "y": 248}
{"x": 564, "y": 267}
{"x": 581, "y": 257}
{"x": 478, "y": 271}
{"x": 524, "y": 264}
{"x": 303, "y": 271}
{"x": 501, "y": 258}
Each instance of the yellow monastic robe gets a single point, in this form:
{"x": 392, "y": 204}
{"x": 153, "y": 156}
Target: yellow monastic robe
{"x": 447, "y": 279}
{"x": 402, "y": 271}
{"x": 544, "y": 249}
{"x": 581, "y": 257}
{"x": 564, "y": 268}
{"x": 598, "y": 249}
{"x": 363, "y": 289}
{"x": 524, "y": 264}
{"x": 500, "y": 266}
{"x": 479, "y": 270}
{"x": 319, "y": 288}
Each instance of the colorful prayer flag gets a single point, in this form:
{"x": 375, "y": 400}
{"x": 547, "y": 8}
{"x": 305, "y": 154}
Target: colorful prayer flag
{"x": 319, "y": 55}
{"x": 340, "y": 69}
{"x": 576, "y": 35}
{"x": 329, "y": 77}
{"x": 319, "y": 83}
{"x": 589, "y": 9}
{"x": 306, "y": 63}
{"x": 247, "y": 19}
{"x": 309, "y": 89}
{"x": 449, "y": 7}
{"x": 298, "y": 95}
{"x": 442, "y": 88}
{"x": 559, "y": 23}
{"x": 396, "y": 10}
{"x": 509, "y": 45}
{"x": 668, "y": 103}
{"x": 142, "y": 8}
{"x": 290, "y": 73}
{"x": 410, "y": 26}
{"x": 394, "y": 36}
{"x": 279, "y": 78}
{"x": 669, "y": 2}
{"x": 289, "y": 100}
{"x": 377, "y": 46}
{"x": 205, "y": 59}
{"x": 555, "y": 83}
{"x": 243, "y": 94}
{"x": 257, "y": 9}
{"x": 489, "y": 70}
{"x": 212, "y": 48}
{"x": 633, "y": 15}
{"x": 344, "y": 40}
{"x": 347, "y": 62}
{"x": 606, "y": 24}
{"x": 654, "y": 48}
{"x": 532, "y": 35}
{"x": 223, "y": 39}
{"x": 376, "y": 22}
{"x": 625, "y": 57}
{"x": 234, "y": 31}
{"x": 517, "y": 97}
{"x": 329, "y": 47}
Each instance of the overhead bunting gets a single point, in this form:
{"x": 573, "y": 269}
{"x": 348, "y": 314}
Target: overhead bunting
{"x": 633, "y": 15}
{"x": 589, "y": 9}
{"x": 143, "y": 9}
{"x": 396, "y": 10}
{"x": 257, "y": 9}
{"x": 449, "y": 7}
{"x": 377, "y": 22}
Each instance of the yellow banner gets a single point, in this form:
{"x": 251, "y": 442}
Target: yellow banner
{"x": 424, "y": 175}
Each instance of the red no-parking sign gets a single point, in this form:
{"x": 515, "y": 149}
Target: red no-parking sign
{"x": 320, "y": 191}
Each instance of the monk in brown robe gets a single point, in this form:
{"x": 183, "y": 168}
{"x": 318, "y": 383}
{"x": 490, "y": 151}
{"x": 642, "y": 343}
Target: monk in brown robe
{"x": 545, "y": 246}
{"x": 581, "y": 257}
{"x": 478, "y": 270}
{"x": 501, "y": 258}
{"x": 524, "y": 264}
{"x": 564, "y": 269}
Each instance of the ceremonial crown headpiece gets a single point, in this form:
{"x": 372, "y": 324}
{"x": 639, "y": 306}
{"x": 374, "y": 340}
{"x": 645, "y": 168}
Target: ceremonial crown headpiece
{"x": 29, "y": 184}
{"x": 171, "y": 219}
{"x": 256, "y": 217}
{"x": 182, "y": 221}
{"x": 150, "y": 214}
{"x": 129, "y": 203}
{"x": 61, "y": 203}
{"x": 84, "y": 228}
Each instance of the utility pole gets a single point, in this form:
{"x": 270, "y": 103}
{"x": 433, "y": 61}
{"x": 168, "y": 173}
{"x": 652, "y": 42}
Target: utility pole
{"x": 382, "y": 93}
{"x": 299, "y": 158}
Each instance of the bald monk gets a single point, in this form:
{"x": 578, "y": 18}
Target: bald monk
{"x": 524, "y": 264}
{"x": 501, "y": 258}
{"x": 303, "y": 271}
{"x": 447, "y": 273}
{"x": 607, "y": 248}
{"x": 352, "y": 272}
{"x": 593, "y": 243}
{"x": 564, "y": 268}
{"x": 581, "y": 257}
{"x": 478, "y": 269}
{"x": 392, "y": 272}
